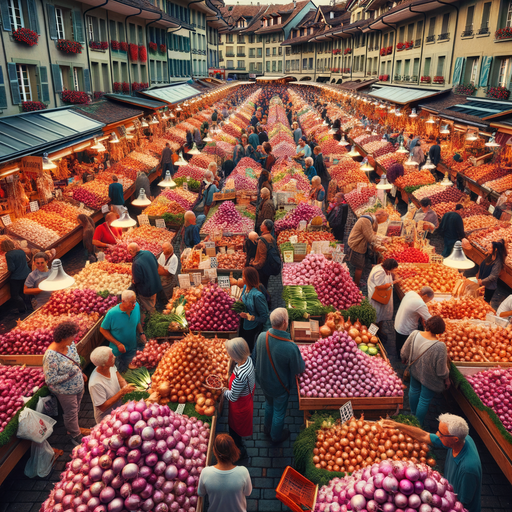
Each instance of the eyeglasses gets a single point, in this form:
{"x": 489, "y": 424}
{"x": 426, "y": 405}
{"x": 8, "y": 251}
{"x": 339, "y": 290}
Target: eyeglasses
{"x": 440, "y": 434}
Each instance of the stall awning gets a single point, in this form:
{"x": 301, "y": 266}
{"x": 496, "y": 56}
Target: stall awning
{"x": 40, "y": 132}
{"x": 172, "y": 93}
{"x": 137, "y": 101}
{"x": 402, "y": 95}
{"x": 484, "y": 109}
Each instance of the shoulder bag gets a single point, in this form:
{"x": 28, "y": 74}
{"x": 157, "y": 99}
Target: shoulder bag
{"x": 382, "y": 296}
{"x": 272, "y": 362}
{"x": 407, "y": 372}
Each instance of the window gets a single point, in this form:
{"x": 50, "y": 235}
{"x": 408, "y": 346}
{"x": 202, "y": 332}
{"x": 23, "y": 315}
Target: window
{"x": 241, "y": 64}
{"x": 399, "y": 67}
{"x": 419, "y": 30}
{"x": 280, "y": 50}
{"x": 484, "y": 29}
{"x": 474, "y": 69}
{"x": 15, "y": 14}
{"x": 426, "y": 67}
{"x": 401, "y": 35}
{"x": 267, "y": 65}
{"x": 280, "y": 66}
{"x": 304, "y": 63}
{"x": 59, "y": 20}
{"x": 311, "y": 63}
{"x": 410, "y": 32}
{"x": 432, "y": 26}
{"x": 251, "y": 53}
{"x": 230, "y": 64}
{"x": 446, "y": 21}
{"x": 331, "y": 15}
{"x": 24, "y": 82}
{"x": 440, "y": 66}
{"x": 469, "y": 18}
{"x": 267, "y": 52}
{"x": 509, "y": 14}
{"x": 416, "y": 68}
{"x": 503, "y": 72}
{"x": 273, "y": 65}
{"x": 407, "y": 67}
{"x": 259, "y": 52}
{"x": 274, "y": 51}
{"x": 76, "y": 80}
{"x": 90, "y": 29}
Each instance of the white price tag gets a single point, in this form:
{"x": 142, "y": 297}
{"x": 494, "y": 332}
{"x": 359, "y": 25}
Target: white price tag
{"x": 184, "y": 280}
{"x": 6, "y": 219}
{"x": 338, "y": 257}
{"x": 288, "y": 256}
{"x": 81, "y": 205}
{"x": 143, "y": 220}
{"x": 34, "y": 206}
{"x": 294, "y": 239}
{"x": 491, "y": 209}
{"x": 478, "y": 199}
{"x": 224, "y": 282}
{"x": 373, "y": 329}
{"x": 180, "y": 408}
{"x": 210, "y": 273}
{"x": 185, "y": 185}
{"x": 105, "y": 208}
{"x": 196, "y": 278}
{"x": 209, "y": 245}
{"x": 160, "y": 223}
{"x": 346, "y": 412}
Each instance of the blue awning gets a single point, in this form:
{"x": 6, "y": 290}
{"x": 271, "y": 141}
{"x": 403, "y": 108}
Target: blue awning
{"x": 172, "y": 93}
{"x": 39, "y": 132}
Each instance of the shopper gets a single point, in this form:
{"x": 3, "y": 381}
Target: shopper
{"x": 264, "y": 181}
{"x": 434, "y": 152}
{"x": 321, "y": 169}
{"x": 120, "y": 327}
{"x": 363, "y": 234}
{"x": 452, "y": 228}
{"x": 427, "y": 360}
{"x": 242, "y": 150}
{"x": 297, "y": 132}
{"x": 105, "y": 234}
{"x": 106, "y": 386}
{"x": 262, "y": 135}
{"x": 380, "y": 292}
{"x": 266, "y": 208}
{"x": 337, "y": 217}
{"x": 64, "y": 376}
{"x": 167, "y": 269}
{"x": 88, "y": 226}
{"x": 302, "y": 151}
{"x": 166, "y": 161}
{"x": 31, "y": 287}
{"x": 271, "y": 159}
{"x": 462, "y": 468}
{"x": 145, "y": 277}
{"x": 116, "y": 195}
{"x": 427, "y": 215}
{"x": 490, "y": 269}
{"x": 317, "y": 191}
{"x": 505, "y": 308}
{"x": 278, "y": 361}
{"x": 225, "y": 484}
{"x": 17, "y": 265}
{"x": 191, "y": 236}
{"x": 253, "y": 140}
{"x": 240, "y": 393}
{"x": 261, "y": 261}
{"x": 412, "y": 308}
{"x": 142, "y": 181}
{"x": 250, "y": 246}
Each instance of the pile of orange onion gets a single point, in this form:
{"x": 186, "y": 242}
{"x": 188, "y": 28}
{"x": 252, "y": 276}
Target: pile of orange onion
{"x": 460, "y": 308}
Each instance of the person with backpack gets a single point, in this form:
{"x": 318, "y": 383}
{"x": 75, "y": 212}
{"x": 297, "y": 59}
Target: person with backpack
{"x": 267, "y": 260}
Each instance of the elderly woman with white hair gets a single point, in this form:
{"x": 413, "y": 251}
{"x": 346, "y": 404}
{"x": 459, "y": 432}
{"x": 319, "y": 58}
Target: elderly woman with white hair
{"x": 106, "y": 386}
{"x": 240, "y": 392}
{"x": 310, "y": 170}
{"x": 317, "y": 192}
{"x": 205, "y": 197}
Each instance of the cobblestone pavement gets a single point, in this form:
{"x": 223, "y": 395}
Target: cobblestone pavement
{"x": 266, "y": 464}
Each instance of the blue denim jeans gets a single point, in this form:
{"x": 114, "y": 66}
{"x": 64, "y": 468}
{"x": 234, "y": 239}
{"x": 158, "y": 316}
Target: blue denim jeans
{"x": 275, "y": 412}
{"x": 123, "y": 360}
{"x": 419, "y": 399}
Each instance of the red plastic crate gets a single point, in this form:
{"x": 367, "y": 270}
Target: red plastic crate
{"x": 296, "y": 491}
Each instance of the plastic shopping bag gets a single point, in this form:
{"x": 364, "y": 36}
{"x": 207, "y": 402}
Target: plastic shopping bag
{"x": 34, "y": 426}
{"x": 48, "y": 405}
{"x": 41, "y": 460}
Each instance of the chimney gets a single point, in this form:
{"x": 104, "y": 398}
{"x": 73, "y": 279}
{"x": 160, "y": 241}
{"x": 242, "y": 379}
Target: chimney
{"x": 294, "y": 3}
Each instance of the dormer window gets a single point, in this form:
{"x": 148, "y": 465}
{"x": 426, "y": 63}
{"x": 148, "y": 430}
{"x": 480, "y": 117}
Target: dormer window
{"x": 271, "y": 21}
{"x": 279, "y": 20}
{"x": 331, "y": 15}
{"x": 265, "y": 22}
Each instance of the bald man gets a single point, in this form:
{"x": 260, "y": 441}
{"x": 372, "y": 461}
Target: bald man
{"x": 105, "y": 235}
{"x": 145, "y": 277}
{"x": 167, "y": 268}
{"x": 250, "y": 246}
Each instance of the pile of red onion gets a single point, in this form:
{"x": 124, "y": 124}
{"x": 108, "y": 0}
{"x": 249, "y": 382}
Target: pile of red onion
{"x": 335, "y": 287}
{"x": 151, "y": 354}
{"x": 142, "y": 457}
{"x": 78, "y": 301}
{"x": 389, "y": 487}
{"x": 303, "y": 211}
{"x": 306, "y": 272}
{"x": 228, "y": 218}
{"x": 26, "y": 342}
{"x": 118, "y": 253}
{"x": 336, "y": 368}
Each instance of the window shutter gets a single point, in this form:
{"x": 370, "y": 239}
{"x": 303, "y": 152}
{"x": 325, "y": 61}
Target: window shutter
{"x": 45, "y": 89}
{"x": 87, "y": 80}
{"x": 51, "y": 21}
{"x": 13, "y": 80}
{"x": 32, "y": 16}
{"x": 159, "y": 71}
{"x": 6, "y": 19}
{"x": 485, "y": 72}
{"x": 457, "y": 71}
{"x": 57, "y": 80}
{"x": 3, "y": 95}
{"x": 78, "y": 29}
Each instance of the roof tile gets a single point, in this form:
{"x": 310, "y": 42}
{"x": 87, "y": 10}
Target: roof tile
{"x": 108, "y": 112}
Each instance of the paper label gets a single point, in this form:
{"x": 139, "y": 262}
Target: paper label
{"x": 222, "y": 249}
{"x": 184, "y": 280}
{"x": 160, "y": 223}
{"x": 209, "y": 245}
{"x": 180, "y": 408}
{"x": 6, "y": 219}
{"x": 143, "y": 220}
{"x": 231, "y": 250}
{"x": 300, "y": 249}
{"x": 223, "y": 282}
{"x": 196, "y": 278}
{"x": 34, "y": 206}
{"x": 288, "y": 256}
{"x": 346, "y": 412}
{"x": 210, "y": 273}
{"x": 294, "y": 239}
{"x": 205, "y": 264}
{"x": 185, "y": 185}
{"x": 373, "y": 329}
{"x": 338, "y": 257}
{"x": 105, "y": 208}
{"x": 81, "y": 205}
{"x": 491, "y": 209}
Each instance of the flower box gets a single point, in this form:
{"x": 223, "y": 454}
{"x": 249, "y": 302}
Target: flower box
{"x": 98, "y": 94}
{"x": 125, "y": 87}
{"x": 32, "y": 106}
{"x": 115, "y": 45}
{"x": 425, "y": 79}
{"x": 465, "y": 89}
{"x": 409, "y": 45}
{"x": 66, "y": 46}
{"x": 503, "y": 33}
{"x": 26, "y": 36}
{"x": 153, "y": 46}
{"x": 162, "y": 48}
{"x": 347, "y": 51}
{"x": 439, "y": 79}
{"x": 383, "y": 78}
{"x": 134, "y": 52}
{"x": 98, "y": 45}
{"x": 498, "y": 93}
{"x": 383, "y": 51}
{"x": 75, "y": 97}
{"x": 143, "y": 53}
{"x": 400, "y": 46}
{"x": 346, "y": 70}
{"x": 118, "y": 86}
{"x": 123, "y": 46}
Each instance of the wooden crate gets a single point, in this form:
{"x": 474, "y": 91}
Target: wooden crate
{"x": 90, "y": 341}
{"x": 27, "y": 360}
{"x": 208, "y": 462}
{"x": 220, "y": 334}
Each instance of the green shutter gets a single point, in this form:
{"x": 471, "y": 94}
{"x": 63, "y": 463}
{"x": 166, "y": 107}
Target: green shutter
{"x": 43, "y": 80}
{"x": 57, "y": 79}
{"x": 13, "y": 80}
{"x": 87, "y": 80}
{"x": 32, "y": 16}
{"x": 457, "y": 71}
{"x": 159, "y": 71}
{"x": 6, "y": 19}
{"x": 3, "y": 95}
{"x": 485, "y": 71}
{"x": 78, "y": 29}
{"x": 51, "y": 21}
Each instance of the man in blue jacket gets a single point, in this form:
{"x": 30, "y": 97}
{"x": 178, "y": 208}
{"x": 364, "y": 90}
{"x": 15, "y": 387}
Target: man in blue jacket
{"x": 145, "y": 277}
{"x": 278, "y": 360}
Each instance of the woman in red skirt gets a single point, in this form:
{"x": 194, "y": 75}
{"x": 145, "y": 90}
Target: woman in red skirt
{"x": 240, "y": 393}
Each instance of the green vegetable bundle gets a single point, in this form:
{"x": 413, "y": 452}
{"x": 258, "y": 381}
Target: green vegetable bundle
{"x": 140, "y": 378}
{"x": 172, "y": 218}
{"x": 364, "y": 312}
{"x": 301, "y": 297}
{"x": 239, "y": 307}
{"x": 157, "y": 326}
{"x": 193, "y": 185}
{"x": 279, "y": 214}
{"x": 287, "y": 246}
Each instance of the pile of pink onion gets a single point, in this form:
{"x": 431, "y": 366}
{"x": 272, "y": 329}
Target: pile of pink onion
{"x": 303, "y": 211}
{"x": 228, "y": 218}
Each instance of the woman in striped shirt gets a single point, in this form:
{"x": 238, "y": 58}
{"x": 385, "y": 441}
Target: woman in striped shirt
{"x": 240, "y": 393}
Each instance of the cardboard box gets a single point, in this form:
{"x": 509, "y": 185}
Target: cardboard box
{"x": 305, "y": 331}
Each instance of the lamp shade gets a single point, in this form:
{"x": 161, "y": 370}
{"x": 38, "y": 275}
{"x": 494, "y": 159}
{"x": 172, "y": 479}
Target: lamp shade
{"x": 429, "y": 164}
{"x": 57, "y": 279}
{"x": 384, "y": 183}
{"x": 113, "y": 138}
{"x": 444, "y": 130}
{"x": 207, "y": 138}
{"x": 446, "y": 182}
{"x": 471, "y": 136}
{"x": 430, "y": 120}
{"x": 343, "y": 142}
{"x": 491, "y": 143}
{"x": 98, "y": 146}
{"x": 410, "y": 161}
{"x": 142, "y": 200}
{"x": 125, "y": 221}
{"x": 332, "y": 131}
{"x": 47, "y": 163}
{"x": 194, "y": 150}
{"x": 458, "y": 259}
{"x": 353, "y": 152}
{"x": 144, "y": 124}
{"x": 401, "y": 149}
{"x": 154, "y": 120}
{"x": 167, "y": 182}
{"x": 181, "y": 160}
{"x": 413, "y": 113}
{"x": 365, "y": 166}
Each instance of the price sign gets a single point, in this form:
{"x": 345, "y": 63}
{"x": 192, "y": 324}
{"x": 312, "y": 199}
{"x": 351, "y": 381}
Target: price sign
{"x": 184, "y": 280}
{"x": 222, "y": 249}
{"x": 224, "y": 282}
{"x": 105, "y": 208}
{"x": 160, "y": 223}
{"x": 6, "y": 219}
{"x": 300, "y": 249}
{"x": 196, "y": 278}
{"x": 373, "y": 329}
{"x": 288, "y": 256}
{"x": 346, "y": 412}
{"x": 143, "y": 220}
{"x": 210, "y": 273}
{"x": 294, "y": 239}
{"x": 231, "y": 250}
{"x": 34, "y": 206}
{"x": 491, "y": 209}
{"x": 185, "y": 185}
{"x": 81, "y": 206}
{"x": 180, "y": 408}
{"x": 338, "y": 257}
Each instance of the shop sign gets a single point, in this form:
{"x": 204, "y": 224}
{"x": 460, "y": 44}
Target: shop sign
{"x": 31, "y": 165}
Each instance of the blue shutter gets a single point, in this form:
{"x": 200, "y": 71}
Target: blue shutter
{"x": 57, "y": 79}
{"x": 457, "y": 71}
{"x": 43, "y": 80}
{"x": 87, "y": 80}
{"x": 485, "y": 71}
{"x": 6, "y": 18}
{"x": 78, "y": 29}
{"x": 51, "y": 21}
{"x": 32, "y": 16}
{"x": 159, "y": 71}
{"x": 3, "y": 95}
{"x": 13, "y": 80}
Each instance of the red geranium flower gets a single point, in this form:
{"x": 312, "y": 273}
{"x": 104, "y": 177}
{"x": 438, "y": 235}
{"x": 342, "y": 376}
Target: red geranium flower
{"x": 25, "y": 35}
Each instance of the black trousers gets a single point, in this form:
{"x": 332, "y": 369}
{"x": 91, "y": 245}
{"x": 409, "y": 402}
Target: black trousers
{"x": 21, "y": 301}
{"x": 400, "y": 341}
{"x": 250, "y": 335}
{"x": 263, "y": 279}
{"x": 488, "y": 295}
{"x": 237, "y": 439}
